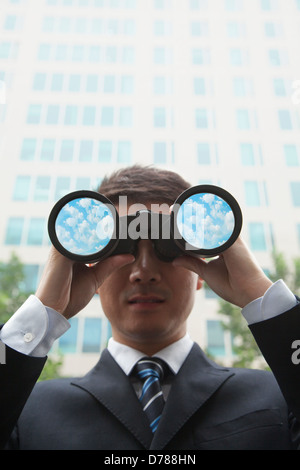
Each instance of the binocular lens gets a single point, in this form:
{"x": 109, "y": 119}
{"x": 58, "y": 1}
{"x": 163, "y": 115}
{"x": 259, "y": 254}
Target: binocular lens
{"x": 84, "y": 226}
{"x": 205, "y": 220}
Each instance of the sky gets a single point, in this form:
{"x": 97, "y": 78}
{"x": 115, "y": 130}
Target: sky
{"x": 84, "y": 226}
{"x": 205, "y": 221}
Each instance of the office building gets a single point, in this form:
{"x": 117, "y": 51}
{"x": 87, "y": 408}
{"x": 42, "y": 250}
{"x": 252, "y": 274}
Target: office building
{"x": 208, "y": 88}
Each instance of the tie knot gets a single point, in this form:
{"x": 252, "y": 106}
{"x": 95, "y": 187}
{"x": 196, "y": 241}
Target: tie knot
{"x": 150, "y": 367}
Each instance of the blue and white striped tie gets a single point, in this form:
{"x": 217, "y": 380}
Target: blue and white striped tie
{"x": 151, "y": 371}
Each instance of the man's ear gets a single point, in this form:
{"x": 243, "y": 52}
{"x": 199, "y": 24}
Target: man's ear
{"x": 199, "y": 283}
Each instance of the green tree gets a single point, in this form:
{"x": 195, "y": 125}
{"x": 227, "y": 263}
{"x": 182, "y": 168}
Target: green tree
{"x": 245, "y": 350}
{"x": 13, "y": 294}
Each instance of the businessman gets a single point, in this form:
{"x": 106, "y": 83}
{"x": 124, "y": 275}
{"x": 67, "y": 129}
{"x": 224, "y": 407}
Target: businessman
{"x": 200, "y": 405}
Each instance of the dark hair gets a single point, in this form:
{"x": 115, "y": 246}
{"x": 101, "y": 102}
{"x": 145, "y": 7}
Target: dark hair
{"x": 142, "y": 184}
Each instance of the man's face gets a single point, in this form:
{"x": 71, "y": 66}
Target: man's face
{"x": 148, "y": 302}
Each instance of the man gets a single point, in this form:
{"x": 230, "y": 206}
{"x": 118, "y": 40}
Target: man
{"x": 147, "y": 302}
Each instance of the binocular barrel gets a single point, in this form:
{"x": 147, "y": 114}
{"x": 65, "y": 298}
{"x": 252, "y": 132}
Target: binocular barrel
{"x": 204, "y": 221}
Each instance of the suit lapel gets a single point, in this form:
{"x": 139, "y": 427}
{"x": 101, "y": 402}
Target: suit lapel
{"x": 197, "y": 380}
{"x": 111, "y": 387}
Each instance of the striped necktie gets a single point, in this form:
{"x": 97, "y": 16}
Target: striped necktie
{"x": 151, "y": 371}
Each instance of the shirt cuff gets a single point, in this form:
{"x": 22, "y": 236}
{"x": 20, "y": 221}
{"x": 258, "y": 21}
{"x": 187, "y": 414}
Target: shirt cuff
{"x": 33, "y": 328}
{"x": 276, "y": 300}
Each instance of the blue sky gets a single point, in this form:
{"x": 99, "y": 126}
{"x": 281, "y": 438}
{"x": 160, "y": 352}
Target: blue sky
{"x": 84, "y": 226}
{"x": 205, "y": 221}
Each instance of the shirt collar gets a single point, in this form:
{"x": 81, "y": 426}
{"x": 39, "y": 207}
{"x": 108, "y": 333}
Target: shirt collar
{"x": 174, "y": 354}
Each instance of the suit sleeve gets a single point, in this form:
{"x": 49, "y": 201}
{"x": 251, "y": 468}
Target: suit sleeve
{"x": 275, "y": 338}
{"x": 17, "y": 378}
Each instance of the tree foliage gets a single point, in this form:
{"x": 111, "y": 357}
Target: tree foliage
{"x": 245, "y": 350}
{"x": 13, "y": 294}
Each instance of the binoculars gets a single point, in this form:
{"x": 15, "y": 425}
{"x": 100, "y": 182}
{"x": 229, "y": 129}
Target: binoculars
{"x": 204, "y": 221}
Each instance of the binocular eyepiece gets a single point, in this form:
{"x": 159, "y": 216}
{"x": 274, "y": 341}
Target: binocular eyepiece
{"x": 204, "y": 221}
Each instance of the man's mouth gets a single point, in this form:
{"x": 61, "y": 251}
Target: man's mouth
{"x": 145, "y": 299}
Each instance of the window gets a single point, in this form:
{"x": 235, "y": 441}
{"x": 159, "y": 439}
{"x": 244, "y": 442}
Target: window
{"x": 163, "y": 55}
{"x": 107, "y": 116}
{"x": 74, "y": 83}
{"x": 68, "y": 342}
{"x": 160, "y": 119}
{"x": 215, "y": 338}
{"x": 162, "y": 28}
{"x": 285, "y": 120}
{"x": 22, "y": 187}
{"x": 34, "y": 114}
{"x": 243, "y": 119}
{"x": 295, "y": 192}
{"x": 92, "y": 335}
{"x": 279, "y": 87}
{"x": 62, "y": 187}
{"x": 47, "y": 150}
{"x": 14, "y": 231}
{"x": 42, "y": 188}
{"x": 236, "y": 29}
{"x": 127, "y": 84}
{"x": 57, "y": 82}
{"x": 126, "y": 117}
{"x": 105, "y": 151}
{"x": 239, "y": 57}
{"x": 66, "y": 151}
{"x": 199, "y": 28}
{"x": 252, "y": 194}
{"x": 52, "y": 114}
{"x": 160, "y": 152}
{"x": 92, "y": 84}
{"x": 247, "y": 154}
{"x": 274, "y": 58}
{"x": 10, "y": 22}
{"x": 89, "y": 115}
{"x": 71, "y": 115}
{"x": 200, "y": 56}
{"x": 257, "y": 236}
{"x": 28, "y": 149}
{"x": 273, "y": 30}
{"x": 124, "y": 152}
{"x": 78, "y": 54}
{"x": 159, "y": 85}
{"x": 44, "y": 52}
{"x": 86, "y": 151}
{"x": 203, "y": 154}
{"x": 36, "y": 231}
{"x": 291, "y": 155}
{"x": 31, "y": 274}
{"x": 242, "y": 86}
{"x": 201, "y": 119}
{"x": 199, "y": 86}
{"x": 109, "y": 84}
{"x": 39, "y": 81}
{"x": 61, "y": 53}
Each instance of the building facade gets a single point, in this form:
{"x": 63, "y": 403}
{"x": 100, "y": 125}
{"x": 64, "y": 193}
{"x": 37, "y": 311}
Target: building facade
{"x": 208, "y": 88}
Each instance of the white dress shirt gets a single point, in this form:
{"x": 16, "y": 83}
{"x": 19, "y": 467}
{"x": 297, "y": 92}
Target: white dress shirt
{"x": 174, "y": 355}
{"x": 34, "y": 327}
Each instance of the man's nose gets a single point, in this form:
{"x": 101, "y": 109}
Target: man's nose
{"x": 146, "y": 267}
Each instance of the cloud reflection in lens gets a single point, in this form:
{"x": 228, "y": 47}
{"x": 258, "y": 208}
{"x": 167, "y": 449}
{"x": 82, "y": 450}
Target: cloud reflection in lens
{"x": 84, "y": 226}
{"x": 205, "y": 221}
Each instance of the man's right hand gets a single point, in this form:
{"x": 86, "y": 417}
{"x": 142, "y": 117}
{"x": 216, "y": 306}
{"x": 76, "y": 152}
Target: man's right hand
{"x": 67, "y": 287}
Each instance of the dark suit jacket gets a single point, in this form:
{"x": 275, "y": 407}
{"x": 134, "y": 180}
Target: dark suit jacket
{"x": 209, "y": 407}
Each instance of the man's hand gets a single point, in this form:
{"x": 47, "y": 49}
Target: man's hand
{"x": 234, "y": 275}
{"x": 67, "y": 287}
